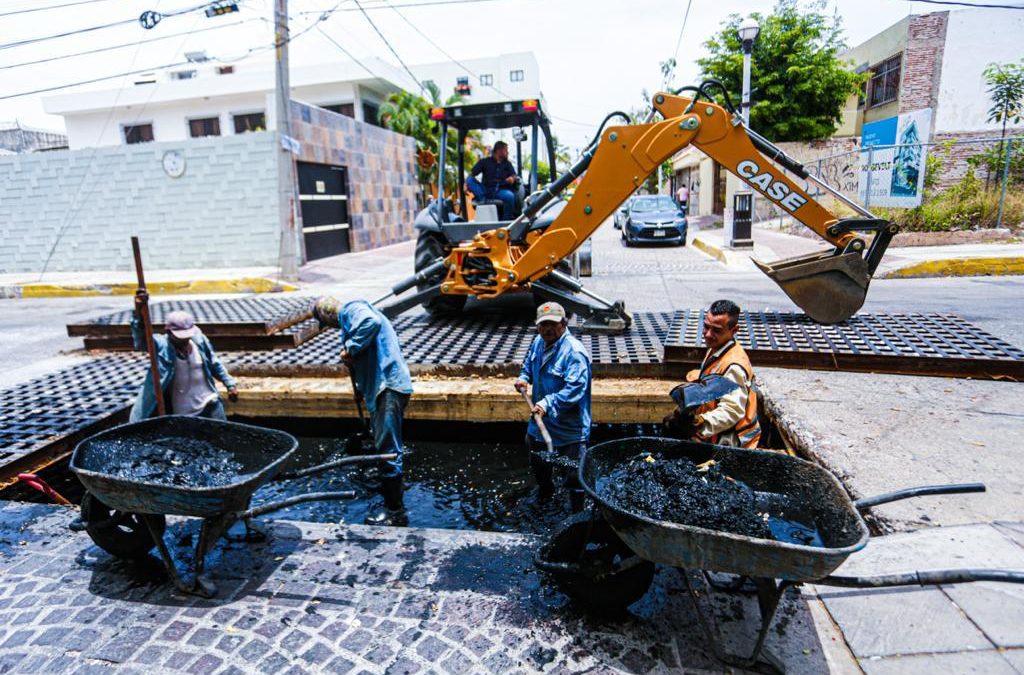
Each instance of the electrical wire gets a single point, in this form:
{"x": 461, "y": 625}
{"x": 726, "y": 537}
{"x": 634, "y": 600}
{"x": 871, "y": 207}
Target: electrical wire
{"x": 967, "y": 4}
{"x": 381, "y": 35}
{"x": 90, "y": 29}
{"x": 381, "y": 4}
{"x": 93, "y": 80}
{"x": 679, "y": 41}
{"x": 123, "y": 45}
{"x": 43, "y": 9}
{"x": 349, "y": 54}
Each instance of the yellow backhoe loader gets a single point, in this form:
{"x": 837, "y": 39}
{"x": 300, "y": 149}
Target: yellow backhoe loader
{"x": 525, "y": 253}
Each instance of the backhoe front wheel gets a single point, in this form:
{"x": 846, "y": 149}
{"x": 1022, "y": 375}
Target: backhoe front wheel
{"x": 429, "y": 247}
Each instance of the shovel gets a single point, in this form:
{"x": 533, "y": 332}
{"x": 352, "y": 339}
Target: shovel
{"x": 354, "y": 443}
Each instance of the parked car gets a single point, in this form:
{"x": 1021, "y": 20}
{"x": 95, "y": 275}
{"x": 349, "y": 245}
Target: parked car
{"x": 654, "y": 219}
{"x": 620, "y": 214}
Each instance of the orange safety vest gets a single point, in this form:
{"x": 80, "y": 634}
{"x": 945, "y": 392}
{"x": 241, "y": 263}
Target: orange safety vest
{"x": 748, "y": 429}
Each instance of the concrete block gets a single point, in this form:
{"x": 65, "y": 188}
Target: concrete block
{"x": 889, "y": 622}
{"x": 997, "y": 609}
{"x": 988, "y": 662}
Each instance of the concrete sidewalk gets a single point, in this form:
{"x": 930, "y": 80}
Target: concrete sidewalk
{"x": 159, "y": 282}
{"x": 914, "y": 262}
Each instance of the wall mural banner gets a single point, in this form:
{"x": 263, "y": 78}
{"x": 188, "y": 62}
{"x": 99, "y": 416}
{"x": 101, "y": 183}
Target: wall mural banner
{"x": 896, "y": 166}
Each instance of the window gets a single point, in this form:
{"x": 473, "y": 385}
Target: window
{"x": 183, "y": 74}
{"x": 209, "y": 126}
{"x": 250, "y": 122}
{"x": 884, "y": 86}
{"x": 225, "y": 70}
{"x": 515, "y": 76}
{"x": 138, "y": 133}
{"x": 346, "y": 109}
{"x": 370, "y": 113}
{"x": 487, "y": 80}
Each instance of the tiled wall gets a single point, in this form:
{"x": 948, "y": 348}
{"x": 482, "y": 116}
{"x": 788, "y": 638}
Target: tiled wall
{"x": 381, "y": 172}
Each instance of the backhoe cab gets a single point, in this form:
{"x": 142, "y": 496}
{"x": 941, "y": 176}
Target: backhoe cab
{"x": 447, "y": 223}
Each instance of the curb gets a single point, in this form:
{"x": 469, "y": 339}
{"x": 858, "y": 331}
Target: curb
{"x": 710, "y": 250}
{"x": 959, "y": 267}
{"x": 206, "y": 286}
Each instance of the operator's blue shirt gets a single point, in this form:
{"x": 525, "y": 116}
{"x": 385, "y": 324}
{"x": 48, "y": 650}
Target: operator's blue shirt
{"x": 145, "y": 402}
{"x": 378, "y": 364}
{"x": 495, "y": 173}
{"x": 561, "y": 382}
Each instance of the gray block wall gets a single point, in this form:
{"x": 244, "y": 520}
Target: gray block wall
{"x": 221, "y": 213}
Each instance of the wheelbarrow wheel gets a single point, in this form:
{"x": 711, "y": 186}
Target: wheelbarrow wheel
{"x": 119, "y": 533}
{"x": 593, "y": 566}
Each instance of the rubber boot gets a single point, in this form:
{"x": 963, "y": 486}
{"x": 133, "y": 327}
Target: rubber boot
{"x": 393, "y": 512}
{"x": 543, "y": 473}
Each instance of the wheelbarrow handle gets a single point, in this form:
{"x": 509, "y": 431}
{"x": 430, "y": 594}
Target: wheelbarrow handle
{"x": 357, "y": 459}
{"x": 291, "y": 501}
{"x": 540, "y": 423}
{"x": 920, "y": 491}
{"x": 925, "y": 578}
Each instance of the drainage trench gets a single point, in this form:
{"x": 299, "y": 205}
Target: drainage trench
{"x": 466, "y": 465}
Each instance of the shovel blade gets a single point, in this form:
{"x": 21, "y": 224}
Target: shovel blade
{"x": 829, "y": 288}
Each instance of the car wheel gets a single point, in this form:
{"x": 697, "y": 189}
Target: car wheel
{"x": 429, "y": 247}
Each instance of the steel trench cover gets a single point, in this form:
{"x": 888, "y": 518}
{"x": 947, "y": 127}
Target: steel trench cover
{"x": 943, "y": 345}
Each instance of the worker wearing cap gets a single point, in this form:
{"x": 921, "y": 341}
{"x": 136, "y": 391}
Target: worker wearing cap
{"x": 370, "y": 349}
{"x": 188, "y": 367}
{"x": 558, "y": 367}
{"x": 731, "y": 420}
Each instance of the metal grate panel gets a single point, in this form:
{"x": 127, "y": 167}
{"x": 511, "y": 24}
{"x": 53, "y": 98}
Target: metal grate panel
{"x": 919, "y": 344}
{"x": 256, "y": 315}
{"x": 286, "y": 338}
{"x": 52, "y": 407}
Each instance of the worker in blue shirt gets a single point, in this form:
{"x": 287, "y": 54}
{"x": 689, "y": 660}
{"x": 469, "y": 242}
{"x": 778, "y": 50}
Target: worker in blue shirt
{"x": 370, "y": 349}
{"x": 558, "y": 367}
{"x": 500, "y": 180}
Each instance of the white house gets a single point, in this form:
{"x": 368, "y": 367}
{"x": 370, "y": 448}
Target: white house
{"x": 215, "y": 99}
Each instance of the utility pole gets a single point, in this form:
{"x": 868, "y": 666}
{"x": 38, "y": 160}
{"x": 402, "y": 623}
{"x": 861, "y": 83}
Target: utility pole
{"x": 290, "y": 223}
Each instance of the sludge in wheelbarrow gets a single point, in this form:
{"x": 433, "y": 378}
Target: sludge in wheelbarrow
{"x": 779, "y": 482}
{"x": 180, "y": 465}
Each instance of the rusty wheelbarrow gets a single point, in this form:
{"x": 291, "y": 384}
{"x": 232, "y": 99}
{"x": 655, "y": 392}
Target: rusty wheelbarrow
{"x": 128, "y": 498}
{"x": 781, "y": 485}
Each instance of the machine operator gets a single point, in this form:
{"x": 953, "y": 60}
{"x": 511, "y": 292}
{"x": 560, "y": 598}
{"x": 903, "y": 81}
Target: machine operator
{"x": 499, "y": 180}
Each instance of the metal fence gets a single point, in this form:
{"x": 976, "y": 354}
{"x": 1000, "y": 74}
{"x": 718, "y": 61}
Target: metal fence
{"x": 858, "y": 173}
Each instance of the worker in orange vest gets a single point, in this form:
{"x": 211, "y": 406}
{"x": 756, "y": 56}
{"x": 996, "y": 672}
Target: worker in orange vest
{"x": 732, "y": 419}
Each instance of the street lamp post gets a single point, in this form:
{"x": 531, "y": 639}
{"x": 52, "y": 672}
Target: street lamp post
{"x": 743, "y": 200}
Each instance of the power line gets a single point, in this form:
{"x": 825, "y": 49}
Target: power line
{"x": 967, "y": 4}
{"x": 679, "y": 40}
{"x": 43, "y": 9}
{"x": 92, "y": 81}
{"x": 367, "y": 16}
{"x": 90, "y": 29}
{"x": 348, "y": 53}
{"x": 123, "y": 45}
{"x": 382, "y": 4}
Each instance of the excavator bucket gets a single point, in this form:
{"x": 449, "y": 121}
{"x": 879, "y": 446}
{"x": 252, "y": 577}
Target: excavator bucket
{"x": 829, "y": 287}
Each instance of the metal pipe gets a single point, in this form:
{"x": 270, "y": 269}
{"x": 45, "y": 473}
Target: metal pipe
{"x": 442, "y": 152}
{"x": 1006, "y": 176}
{"x": 920, "y": 491}
{"x": 867, "y": 181}
{"x": 460, "y": 190}
{"x": 840, "y": 196}
{"x": 533, "y": 156}
{"x": 142, "y": 305}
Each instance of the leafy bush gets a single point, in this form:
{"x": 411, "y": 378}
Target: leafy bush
{"x": 965, "y": 206}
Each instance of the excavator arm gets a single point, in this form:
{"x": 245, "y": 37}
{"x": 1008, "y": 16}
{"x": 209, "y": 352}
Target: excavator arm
{"x": 829, "y": 286}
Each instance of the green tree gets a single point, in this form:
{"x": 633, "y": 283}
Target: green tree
{"x": 1006, "y": 91}
{"x": 799, "y": 84}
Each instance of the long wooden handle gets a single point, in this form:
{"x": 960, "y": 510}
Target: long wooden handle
{"x": 147, "y": 327}
{"x": 540, "y": 423}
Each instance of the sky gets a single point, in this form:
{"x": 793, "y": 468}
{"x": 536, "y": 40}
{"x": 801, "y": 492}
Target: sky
{"x": 595, "y": 56}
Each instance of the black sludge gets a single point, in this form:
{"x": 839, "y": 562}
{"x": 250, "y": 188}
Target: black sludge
{"x": 172, "y": 460}
{"x": 675, "y": 490}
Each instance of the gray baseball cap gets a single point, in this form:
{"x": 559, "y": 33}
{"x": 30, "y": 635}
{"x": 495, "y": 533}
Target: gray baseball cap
{"x": 181, "y": 325}
{"x": 550, "y": 311}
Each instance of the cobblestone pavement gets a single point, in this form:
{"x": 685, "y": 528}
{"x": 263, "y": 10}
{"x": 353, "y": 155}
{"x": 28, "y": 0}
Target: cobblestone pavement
{"x": 319, "y": 598}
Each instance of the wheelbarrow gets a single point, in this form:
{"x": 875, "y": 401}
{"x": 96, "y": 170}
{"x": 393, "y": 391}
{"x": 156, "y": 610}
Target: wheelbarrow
{"x": 780, "y": 484}
{"x": 125, "y": 515}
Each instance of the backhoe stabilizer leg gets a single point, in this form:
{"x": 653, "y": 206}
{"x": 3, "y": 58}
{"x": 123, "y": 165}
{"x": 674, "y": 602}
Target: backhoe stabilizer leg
{"x": 601, "y": 316}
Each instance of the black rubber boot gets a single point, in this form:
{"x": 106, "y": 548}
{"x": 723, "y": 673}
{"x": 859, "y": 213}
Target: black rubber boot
{"x": 393, "y": 512}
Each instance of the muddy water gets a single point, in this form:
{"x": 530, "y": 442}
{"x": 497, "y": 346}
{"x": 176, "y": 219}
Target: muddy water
{"x": 452, "y": 485}
{"x": 170, "y": 460}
